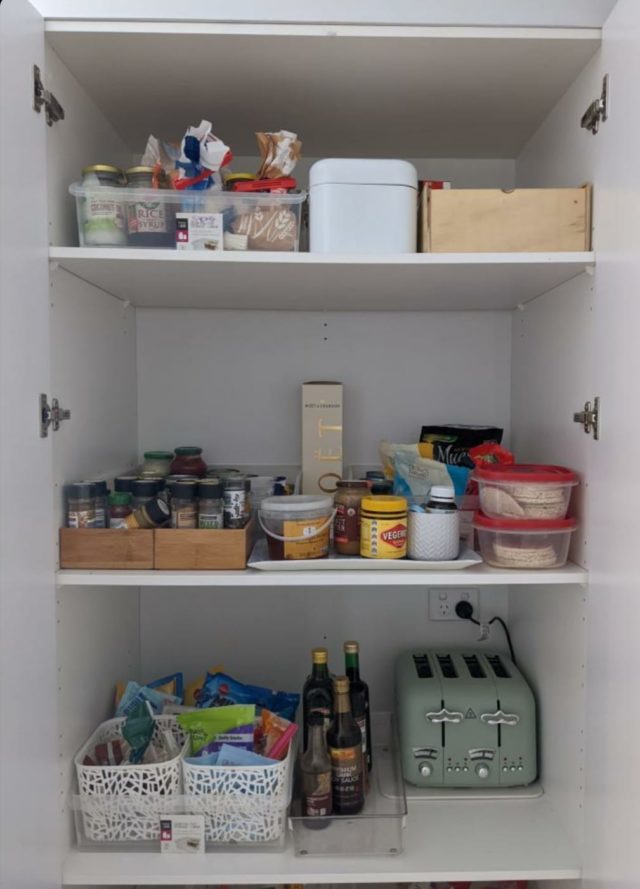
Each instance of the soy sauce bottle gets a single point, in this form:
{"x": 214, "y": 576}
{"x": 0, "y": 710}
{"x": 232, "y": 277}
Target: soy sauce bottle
{"x": 315, "y": 768}
{"x": 359, "y": 695}
{"x": 344, "y": 740}
{"x": 317, "y": 694}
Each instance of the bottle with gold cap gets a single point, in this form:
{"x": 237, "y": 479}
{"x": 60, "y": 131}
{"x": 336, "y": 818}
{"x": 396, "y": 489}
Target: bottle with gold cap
{"x": 359, "y": 695}
{"x": 317, "y": 694}
{"x": 344, "y": 740}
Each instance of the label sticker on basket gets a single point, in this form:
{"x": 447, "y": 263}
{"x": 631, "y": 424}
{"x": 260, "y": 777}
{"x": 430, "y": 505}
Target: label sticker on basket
{"x": 182, "y": 833}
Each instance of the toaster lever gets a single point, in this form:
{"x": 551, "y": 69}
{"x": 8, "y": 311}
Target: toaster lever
{"x": 500, "y": 718}
{"x": 444, "y": 716}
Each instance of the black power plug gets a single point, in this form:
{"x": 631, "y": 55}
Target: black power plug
{"x": 464, "y": 610}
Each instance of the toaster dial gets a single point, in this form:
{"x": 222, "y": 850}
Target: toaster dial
{"x": 482, "y": 770}
{"x": 425, "y": 769}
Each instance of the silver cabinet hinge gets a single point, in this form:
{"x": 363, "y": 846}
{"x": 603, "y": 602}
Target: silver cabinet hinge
{"x": 597, "y": 112}
{"x": 589, "y": 418}
{"x": 51, "y": 416}
{"x": 43, "y": 98}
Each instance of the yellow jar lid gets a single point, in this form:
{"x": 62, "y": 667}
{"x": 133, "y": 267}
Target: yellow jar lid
{"x": 384, "y": 503}
{"x": 101, "y": 168}
{"x": 240, "y": 177}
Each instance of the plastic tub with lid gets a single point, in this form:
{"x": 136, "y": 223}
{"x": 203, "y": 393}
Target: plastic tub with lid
{"x": 525, "y": 491}
{"x": 297, "y": 525}
{"x": 528, "y": 544}
{"x": 363, "y": 205}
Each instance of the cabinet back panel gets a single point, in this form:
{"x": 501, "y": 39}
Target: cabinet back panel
{"x": 230, "y": 381}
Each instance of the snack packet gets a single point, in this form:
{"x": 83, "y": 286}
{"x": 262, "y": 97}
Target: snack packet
{"x": 201, "y": 155}
{"x": 279, "y": 152}
{"x": 274, "y": 734}
{"x": 135, "y": 694}
{"x": 221, "y": 690}
{"x": 209, "y": 729}
{"x": 236, "y": 756}
{"x": 452, "y": 443}
{"x": 193, "y": 689}
{"x": 138, "y": 731}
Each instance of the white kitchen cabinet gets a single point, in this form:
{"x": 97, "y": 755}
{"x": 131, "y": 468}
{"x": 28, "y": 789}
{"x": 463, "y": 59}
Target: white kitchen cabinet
{"x": 146, "y": 349}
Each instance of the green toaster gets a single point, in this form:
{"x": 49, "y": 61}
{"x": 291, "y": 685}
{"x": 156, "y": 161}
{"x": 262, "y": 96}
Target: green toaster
{"x": 465, "y": 719}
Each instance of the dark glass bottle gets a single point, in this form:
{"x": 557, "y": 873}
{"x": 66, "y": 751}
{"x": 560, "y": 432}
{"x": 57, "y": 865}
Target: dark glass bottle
{"x": 317, "y": 694}
{"x": 316, "y": 771}
{"x": 344, "y": 739}
{"x": 359, "y": 695}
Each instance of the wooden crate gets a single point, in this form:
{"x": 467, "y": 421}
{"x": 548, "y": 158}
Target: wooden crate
{"x": 106, "y": 548}
{"x": 522, "y": 220}
{"x": 203, "y": 550}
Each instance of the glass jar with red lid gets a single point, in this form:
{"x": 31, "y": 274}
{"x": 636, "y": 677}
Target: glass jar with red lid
{"x": 188, "y": 461}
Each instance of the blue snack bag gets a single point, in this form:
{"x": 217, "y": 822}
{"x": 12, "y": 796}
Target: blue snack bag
{"x": 221, "y": 690}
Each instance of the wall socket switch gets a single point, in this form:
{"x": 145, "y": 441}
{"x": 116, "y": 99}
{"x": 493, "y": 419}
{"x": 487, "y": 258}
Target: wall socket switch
{"x": 443, "y": 601}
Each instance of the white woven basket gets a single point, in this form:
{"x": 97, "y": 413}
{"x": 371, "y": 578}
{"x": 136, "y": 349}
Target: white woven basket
{"x": 241, "y": 804}
{"x": 124, "y": 803}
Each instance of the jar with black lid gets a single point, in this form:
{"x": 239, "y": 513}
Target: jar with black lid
{"x": 184, "y": 504}
{"x": 150, "y": 223}
{"x": 81, "y": 505}
{"x": 237, "y": 503}
{"x": 143, "y": 490}
{"x": 100, "y": 504}
{"x": 211, "y": 504}
{"x": 122, "y": 484}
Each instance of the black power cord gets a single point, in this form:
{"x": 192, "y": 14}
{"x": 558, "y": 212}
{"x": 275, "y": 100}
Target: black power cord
{"x": 464, "y": 610}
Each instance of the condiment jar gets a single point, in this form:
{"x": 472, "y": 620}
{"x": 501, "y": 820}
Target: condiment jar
{"x": 383, "y": 527}
{"x": 237, "y": 506}
{"x": 122, "y": 484}
{"x": 157, "y": 464}
{"x": 100, "y": 504}
{"x": 143, "y": 490}
{"x": 102, "y": 216}
{"x": 210, "y": 504}
{"x": 188, "y": 461}
{"x": 153, "y": 514}
{"x": 346, "y": 529}
{"x": 119, "y": 509}
{"x": 150, "y": 223}
{"x": 441, "y": 499}
{"x": 184, "y": 505}
{"x": 379, "y": 484}
{"x": 81, "y": 507}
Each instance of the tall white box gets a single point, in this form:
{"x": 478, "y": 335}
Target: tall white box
{"x": 363, "y": 205}
{"x": 321, "y": 437}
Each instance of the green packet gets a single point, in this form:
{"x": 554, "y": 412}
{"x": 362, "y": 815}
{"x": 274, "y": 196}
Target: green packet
{"x": 204, "y": 726}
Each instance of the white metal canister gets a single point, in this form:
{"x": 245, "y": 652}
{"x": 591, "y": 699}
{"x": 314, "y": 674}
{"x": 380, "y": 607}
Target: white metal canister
{"x": 363, "y": 205}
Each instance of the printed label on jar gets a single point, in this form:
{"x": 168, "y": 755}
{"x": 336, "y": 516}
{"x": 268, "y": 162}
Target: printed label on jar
{"x": 119, "y": 523}
{"x": 211, "y": 520}
{"x": 184, "y": 518}
{"x": 147, "y": 217}
{"x": 347, "y": 525}
{"x": 314, "y": 546}
{"x": 383, "y": 538}
{"x": 346, "y": 776}
{"x": 317, "y": 794}
{"x": 81, "y": 518}
{"x": 100, "y": 518}
{"x": 235, "y": 505}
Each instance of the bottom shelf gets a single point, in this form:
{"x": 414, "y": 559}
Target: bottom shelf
{"x": 480, "y": 840}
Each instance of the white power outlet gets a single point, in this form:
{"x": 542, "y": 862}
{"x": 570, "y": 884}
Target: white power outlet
{"x": 443, "y": 601}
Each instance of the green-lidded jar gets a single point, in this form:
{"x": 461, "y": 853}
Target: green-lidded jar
{"x": 157, "y": 464}
{"x": 119, "y": 508}
{"x": 188, "y": 461}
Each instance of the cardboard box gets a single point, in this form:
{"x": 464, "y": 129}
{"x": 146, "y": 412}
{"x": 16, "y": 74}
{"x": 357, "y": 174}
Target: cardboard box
{"x": 106, "y": 548}
{"x": 199, "y": 231}
{"x": 203, "y": 550}
{"x": 522, "y": 220}
{"x": 321, "y": 437}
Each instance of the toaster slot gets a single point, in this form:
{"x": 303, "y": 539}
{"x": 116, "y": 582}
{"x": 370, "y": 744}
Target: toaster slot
{"x": 474, "y": 666}
{"x": 447, "y": 666}
{"x": 423, "y": 667}
{"x": 498, "y": 666}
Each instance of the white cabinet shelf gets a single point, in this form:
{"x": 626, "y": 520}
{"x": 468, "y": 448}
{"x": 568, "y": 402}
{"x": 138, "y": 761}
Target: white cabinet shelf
{"x": 482, "y": 840}
{"x": 483, "y": 575}
{"x": 319, "y": 282}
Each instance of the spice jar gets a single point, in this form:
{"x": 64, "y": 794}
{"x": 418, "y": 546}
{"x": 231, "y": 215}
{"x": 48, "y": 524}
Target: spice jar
{"x": 210, "y": 504}
{"x": 102, "y": 212}
{"x": 143, "y": 490}
{"x": 383, "y": 527}
{"x": 378, "y": 483}
{"x": 188, "y": 461}
{"x": 346, "y": 529}
{"x": 100, "y": 504}
{"x": 153, "y": 514}
{"x": 150, "y": 223}
{"x": 119, "y": 509}
{"x": 237, "y": 507}
{"x": 122, "y": 484}
{"x": 81, "y": 507}
{"x": 157, "y": 464}
{"x": 184, "y": 505}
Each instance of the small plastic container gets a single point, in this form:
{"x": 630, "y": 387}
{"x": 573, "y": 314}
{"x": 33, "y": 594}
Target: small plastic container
{"x": 247, "y": 222}
{"x": 525, "y": 491}
{"x": 297, "y": 525}
{"x": 527, "y": 544}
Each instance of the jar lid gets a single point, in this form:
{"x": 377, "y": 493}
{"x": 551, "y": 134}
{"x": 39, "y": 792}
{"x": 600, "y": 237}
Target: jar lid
{"x": 210, "y": 489}
{"x": 101, "y": 488}
{"x": 384, "y": 503}
{"x": 133, "y": 171}
{"x": 442, "y": 492}
{"x": 144, "y": 487}
{"x": 184, "y": 490}
{"x": 158, "y": 455}
{"x": 120, "y": 498}
{"x": 188, "y": 452}
{"x": 236, "y": 483}
{"x": 239, "y": 177}
{"x": 355, "y": 483}
{"x": 158, "y": 511}
{"x": 374, "y": 474}
{"x": 297, "y": 503}
{"x": 101, "y": 168}
{"x": 351, "y": 648}
{"x": 525, "y": 473}
{"x": 82, "y": 490}
{"x": 123, "y": 482}
{"x": 480, "y": 520}
{"x": 159, "y": 481}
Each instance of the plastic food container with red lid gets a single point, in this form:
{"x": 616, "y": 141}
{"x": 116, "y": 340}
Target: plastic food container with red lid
{"x": 525, "y": 491}
{"x": 528, "y": 544}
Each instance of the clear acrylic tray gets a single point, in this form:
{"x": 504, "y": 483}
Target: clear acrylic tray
{"x": 379, "y": 828}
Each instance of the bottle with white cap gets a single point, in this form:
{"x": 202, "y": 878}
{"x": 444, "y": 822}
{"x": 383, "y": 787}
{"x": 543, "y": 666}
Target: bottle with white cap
{"x": 441, "y": 499}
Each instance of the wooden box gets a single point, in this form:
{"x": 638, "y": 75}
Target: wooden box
{"x": 106, "y": 548}
{"x": 522, "y": 220}
{"x": 203, "y": 550}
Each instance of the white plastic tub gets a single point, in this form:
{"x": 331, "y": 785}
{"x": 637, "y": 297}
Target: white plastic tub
{"x": 525, "y": 491}
{"x": 528, "y": 544}
{"x": 297, "y": 526}
{"x": 146, "y": 217}
{"x": 363, "y": 205}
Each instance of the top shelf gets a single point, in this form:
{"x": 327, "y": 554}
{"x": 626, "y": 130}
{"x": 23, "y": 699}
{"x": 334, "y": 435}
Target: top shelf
{"x": 321, "y": 282}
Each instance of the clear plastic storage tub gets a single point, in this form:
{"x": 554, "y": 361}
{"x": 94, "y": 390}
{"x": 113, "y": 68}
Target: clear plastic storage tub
{"x": 187, "y": 220}
{"x": 525, "y": 491}
{"x": 528, "y": 544}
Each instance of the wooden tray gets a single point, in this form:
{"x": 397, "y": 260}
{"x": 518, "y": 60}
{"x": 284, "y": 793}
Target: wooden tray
{"x": 206, "y": 550}
{"x": 106, "y": 548}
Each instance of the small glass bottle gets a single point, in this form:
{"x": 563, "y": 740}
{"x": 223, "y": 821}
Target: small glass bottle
{"x": 156, "y": 464}
{"x": 344, "y": 739}
{"x": 359, "y": 696}
{"x": 153, "y": 514}
{"x": 81, "y": 506}
{"x": 317, "y": 694}
{"x": 119, "y": 509}
{"x": 143, "y": 490}
{"x": 188, "y": 461}
{"x": 441, "y": 499}
{"x": 184, "y": 505}
{"x": 237, "y": 507}
{"x": 210, "y": 504}
{"x": 315, "y": 767}
{"x": 101, "y": 504}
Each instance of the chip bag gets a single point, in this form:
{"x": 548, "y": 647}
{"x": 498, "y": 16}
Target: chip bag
{"x": 221, "y": 690}
{"x": 209, "y": 729}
